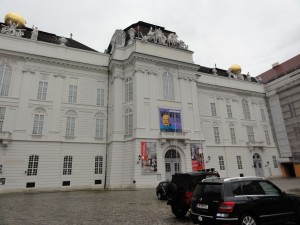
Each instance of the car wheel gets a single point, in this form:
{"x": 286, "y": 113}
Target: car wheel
{"x": 159, "y": 196}
{"x": 179, "y": 212}
{"x": 248, "y": 219}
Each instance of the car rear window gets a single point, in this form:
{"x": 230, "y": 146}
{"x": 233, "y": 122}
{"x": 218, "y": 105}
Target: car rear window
{"x": 209, "y": 190}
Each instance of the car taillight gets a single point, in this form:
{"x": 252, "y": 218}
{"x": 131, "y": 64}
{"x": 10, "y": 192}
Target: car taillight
{"x": 226, "y": 207}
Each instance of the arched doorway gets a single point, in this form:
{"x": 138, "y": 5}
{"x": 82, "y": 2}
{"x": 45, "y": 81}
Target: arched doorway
{"x": 172, "y": 163}
{"x": 257, "y": 163}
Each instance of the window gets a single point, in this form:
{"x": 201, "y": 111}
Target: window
{"x": 99, "y": 127}
{"x": 100, "y": 97}
{"x": 232, "y": 135}
{"x": 168, "y": 86}
{"x": 42, "y": 90}
{"x": 267, "y": 137}
{"x": 217, "y": 135}
{"x": 275, "y": 163}
{"x": 67, "y": 166}
{"x": 128, "y": 121}
{"x": 229, "y": 112}
{"x": 2, "y": 114}
{"x": 221, "y": 162}
{"x": 250, "y": 134}
{"x": 213, "y": 109}
{"x": 98, "y": 164}
{"x": 128, "y": 89}
{"x": 252, "y": 188}
{"x": 33, "y": 164}
{"x": 177, "y": 167}
{"x": 263, "y": 116}
{"x": 5, "y": 77}
{"x": 72, "y": 94}
{"x": 38, "y": 124}
{"x": 70, "y": 125}
{"x": 246, "y": 109}
{"x": 239, "y": 162}
{"x": 296, "y": 131}
{"x": 269, "y": 189}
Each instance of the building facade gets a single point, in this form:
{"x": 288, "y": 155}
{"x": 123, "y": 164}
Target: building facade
{"x": 283, "y": 97}
{"x": 74, "y": 118}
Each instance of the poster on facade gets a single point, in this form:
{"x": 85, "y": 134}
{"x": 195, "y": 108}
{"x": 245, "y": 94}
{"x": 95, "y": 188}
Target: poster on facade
{"x": 148, "y": 157}
{"x": 170, "y": 120}
{"x": 197, "y": 157}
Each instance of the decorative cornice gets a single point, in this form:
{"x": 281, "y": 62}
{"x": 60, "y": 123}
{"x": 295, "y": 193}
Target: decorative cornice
{"x": 229, "y": 90}
{"x": 66, "y": 63}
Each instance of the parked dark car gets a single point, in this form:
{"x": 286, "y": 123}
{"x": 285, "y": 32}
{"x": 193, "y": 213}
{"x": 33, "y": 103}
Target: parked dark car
{"x": 161, "y": 189}
{"x": 242, "y": 201}
{"x": 180, "y": 191}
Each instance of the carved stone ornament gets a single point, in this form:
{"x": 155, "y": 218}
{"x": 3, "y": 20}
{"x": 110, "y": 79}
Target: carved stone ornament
{"x": 34, "y": 33}
{"x": 131, "y": 33}
{"x": 12, "y": 30}
{"x": 63, "y": 41}
{"x": 158, "y": 37}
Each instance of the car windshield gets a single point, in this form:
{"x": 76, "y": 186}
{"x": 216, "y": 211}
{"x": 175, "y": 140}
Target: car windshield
{"x": 209, "y": 190}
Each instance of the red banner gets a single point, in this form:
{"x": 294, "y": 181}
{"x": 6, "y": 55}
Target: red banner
{"x": 144, "y": 151}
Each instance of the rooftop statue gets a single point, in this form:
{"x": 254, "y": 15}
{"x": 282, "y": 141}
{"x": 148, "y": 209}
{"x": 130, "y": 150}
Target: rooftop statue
{"x": 131, "y": 33}
{"x": 34, "y": 33}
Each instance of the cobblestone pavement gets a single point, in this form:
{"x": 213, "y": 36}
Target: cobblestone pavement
{"x": 136, "y": 207}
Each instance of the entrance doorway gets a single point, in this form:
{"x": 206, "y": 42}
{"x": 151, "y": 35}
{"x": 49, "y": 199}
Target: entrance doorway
{"x": 172, "y": 163}
{"x": 257, "y": 163}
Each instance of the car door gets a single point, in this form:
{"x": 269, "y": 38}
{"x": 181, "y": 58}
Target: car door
{"x": 280, "y": 205}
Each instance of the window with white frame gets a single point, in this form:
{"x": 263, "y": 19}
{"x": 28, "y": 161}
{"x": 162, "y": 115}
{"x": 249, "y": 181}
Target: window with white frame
{"x": 217, "y": 135}
{"x": 100, "y": 97}
{"x": 128, "y": 121}
{"x": 267, "y": 137}
{"x": 67, "y": 165}
{"x": 42, "y": 90}
{"x": 33, "y": 164}
{"x": 38, "y": 124}
{"x": 275, "y": 163}
{"x": 246, "y": 109}
{"x": 221, "y": 162}
{"x": 5, "y": 78}
{"x": 250, "y": 134}
{"x": 98, "y": 164}
{"x": 168, "y": 86}
{"x": 213, "y": 109}
{"x": 128, "y": 89}
{"x": 263, "y": 116}
{"x": 70, "y": 124}
{"x": 239, "y": 162}
{"x": 229, "y": 112}
{"x": 72, "y": 94}
{"x": 232, "y": 135}
{"x": 99, "y": 134}
{"x": 2, "y": 114}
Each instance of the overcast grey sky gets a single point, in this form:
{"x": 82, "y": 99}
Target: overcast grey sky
{"x": 251, "y": 33}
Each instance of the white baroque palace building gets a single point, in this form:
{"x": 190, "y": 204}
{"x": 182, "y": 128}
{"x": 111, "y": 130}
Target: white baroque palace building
{"x": 74, "y": 118}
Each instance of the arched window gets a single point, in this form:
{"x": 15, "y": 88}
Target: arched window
{"x": 128, "y": 121}
{"x": 5, "y": 77}
{"x": 128, "y": 89}
{"x": 168, "y": 86}
{"x": 70, "y": 124}
{"x": 246, "y": 109}
{"x": 99, "y": 133}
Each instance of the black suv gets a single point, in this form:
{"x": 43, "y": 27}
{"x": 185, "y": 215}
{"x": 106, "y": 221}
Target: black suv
{"x": 242, "y": 201}
{"x": 180, "y": 190}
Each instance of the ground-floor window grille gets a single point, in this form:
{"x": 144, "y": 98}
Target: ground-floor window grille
{"x": 275, "y": 161}
{"x": 98, "y": 164}
{"x": 33, "y": 164}
{"x": 67, "y": 167}
{"x": 239, "y": 162}
{"x": 221, "y": 162}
